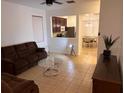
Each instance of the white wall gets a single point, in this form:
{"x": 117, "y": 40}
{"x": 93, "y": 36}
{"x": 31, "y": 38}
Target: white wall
{"x": 111, "y": 21}
{"x": 17, "y": 24}
{"x": 61, "y": 44}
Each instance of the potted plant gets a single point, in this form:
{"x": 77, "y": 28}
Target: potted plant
{"x": 108, "y": 44}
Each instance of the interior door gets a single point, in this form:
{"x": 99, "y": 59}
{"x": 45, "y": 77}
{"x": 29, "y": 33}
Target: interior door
{"x": 38, "y": 33}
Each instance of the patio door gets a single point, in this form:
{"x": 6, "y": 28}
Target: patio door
{"x": 88, "y": 30}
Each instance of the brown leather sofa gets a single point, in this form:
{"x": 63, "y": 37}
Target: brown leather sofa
{"x": 17, "y": 58}
{"x": 12, "y": 84}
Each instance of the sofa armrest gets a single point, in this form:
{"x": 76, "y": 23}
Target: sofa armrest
{"x": 5, "y": 88}
{"x": 8, "y": 65}
{"x": 40, "y": 49}
{"x": 4, "y": 75}
{"x": 27, "y": 86}
{"x": 7, "y": 60}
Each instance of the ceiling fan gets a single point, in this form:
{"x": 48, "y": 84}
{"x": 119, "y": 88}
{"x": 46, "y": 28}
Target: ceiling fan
{"x": 50, "y": 2}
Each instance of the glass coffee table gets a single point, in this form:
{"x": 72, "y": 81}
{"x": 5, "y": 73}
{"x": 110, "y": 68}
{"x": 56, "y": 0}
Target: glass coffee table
{"x": 49, "y": 65}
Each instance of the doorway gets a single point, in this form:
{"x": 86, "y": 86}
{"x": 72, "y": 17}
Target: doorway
{"x": 88, "y": 32}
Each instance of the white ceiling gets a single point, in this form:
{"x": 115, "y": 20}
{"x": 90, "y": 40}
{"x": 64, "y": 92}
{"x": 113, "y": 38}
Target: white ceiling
{"x": 36, "y": 3}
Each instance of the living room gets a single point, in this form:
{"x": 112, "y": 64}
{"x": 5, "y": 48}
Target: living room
{"x": 74, "y": 73}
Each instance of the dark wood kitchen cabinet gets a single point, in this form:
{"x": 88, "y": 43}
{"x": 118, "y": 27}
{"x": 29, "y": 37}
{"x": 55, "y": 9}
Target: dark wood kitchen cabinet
{"x": 106, "y": 77}
{"x": 57, "y": 22}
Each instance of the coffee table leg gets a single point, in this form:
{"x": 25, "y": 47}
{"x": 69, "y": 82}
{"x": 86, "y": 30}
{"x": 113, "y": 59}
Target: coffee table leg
{"x": 49, "y": 70}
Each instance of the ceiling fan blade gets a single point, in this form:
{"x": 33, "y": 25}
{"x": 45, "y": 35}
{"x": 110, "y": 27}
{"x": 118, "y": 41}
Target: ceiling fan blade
{"x": 70, "y": 1}
{"x": 58, "y": 2}
{"x": 42, "y": 3}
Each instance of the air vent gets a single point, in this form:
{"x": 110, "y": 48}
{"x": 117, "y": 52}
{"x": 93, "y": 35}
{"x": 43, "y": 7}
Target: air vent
{"x": 71, "y": 1}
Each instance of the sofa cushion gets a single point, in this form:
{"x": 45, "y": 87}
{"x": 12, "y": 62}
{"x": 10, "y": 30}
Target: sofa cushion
{"x": 22, "y": 50}
{"x": 31, "y": 47}
{"x": 20, "y": 63}
{"x": 9, "y": 52}
{"x": 32, "y": 59}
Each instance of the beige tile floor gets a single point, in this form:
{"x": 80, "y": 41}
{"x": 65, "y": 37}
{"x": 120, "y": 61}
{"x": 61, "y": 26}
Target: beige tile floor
{"x": 74, "y": 76}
